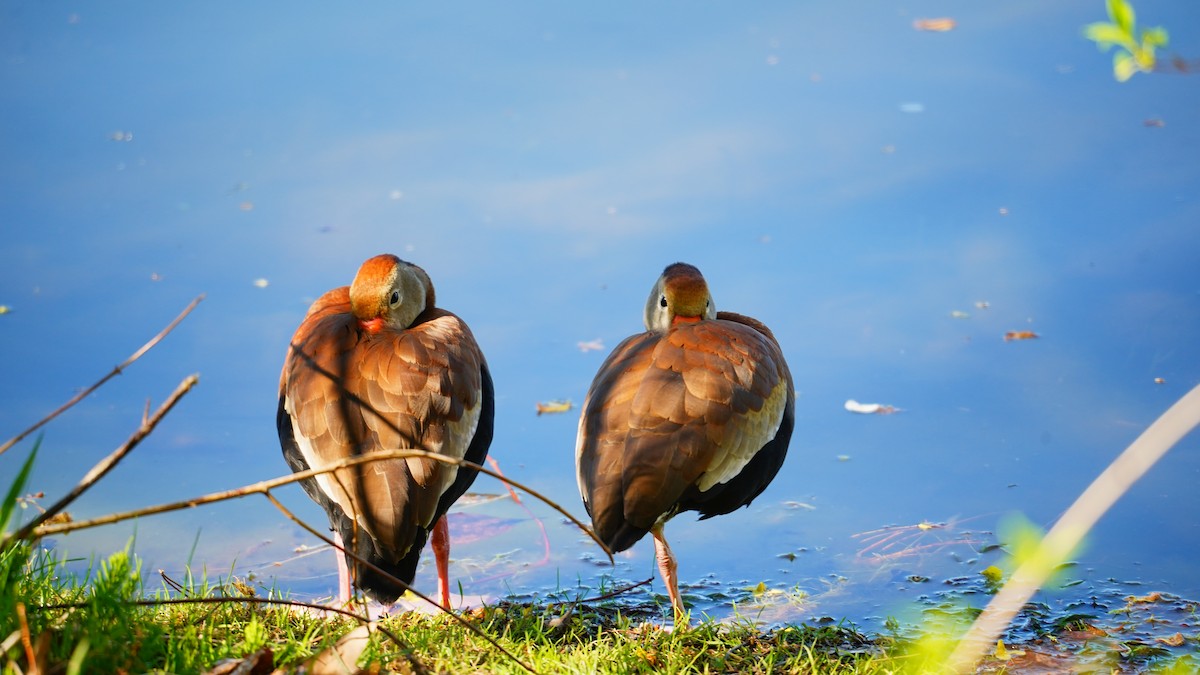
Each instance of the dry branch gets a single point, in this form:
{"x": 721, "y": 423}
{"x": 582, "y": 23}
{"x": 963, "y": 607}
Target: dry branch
{"x": 263, "y": 486}
{"x": 105, "y": 465}
{"x": 115, "y": 371}
{"x": 462, "y": 621}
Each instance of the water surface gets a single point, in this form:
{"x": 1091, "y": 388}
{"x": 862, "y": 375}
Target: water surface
{"x": 890, "y": 201}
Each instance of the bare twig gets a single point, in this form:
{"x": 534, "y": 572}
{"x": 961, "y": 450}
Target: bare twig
{"x": 1070, "y": 529}
{"x": 615, "y": 593}
{"x": 105, "y": 465}
{"x": 115, "y": 371}
{"x": 263, "y": 486}
{"x": 465, "y": 623}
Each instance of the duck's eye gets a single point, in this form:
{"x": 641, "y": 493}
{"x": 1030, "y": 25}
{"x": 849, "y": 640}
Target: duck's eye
{"x": 662, "y": 301}
{"x": 395, "y": 298}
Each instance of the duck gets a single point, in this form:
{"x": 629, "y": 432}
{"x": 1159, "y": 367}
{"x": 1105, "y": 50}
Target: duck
{"x": 694, "y": 414}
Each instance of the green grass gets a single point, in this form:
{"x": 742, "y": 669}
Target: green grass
{"x": 105, "y": 622}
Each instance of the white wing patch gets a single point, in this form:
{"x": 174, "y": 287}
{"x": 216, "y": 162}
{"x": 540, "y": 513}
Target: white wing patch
{"x": 755, "y": 430}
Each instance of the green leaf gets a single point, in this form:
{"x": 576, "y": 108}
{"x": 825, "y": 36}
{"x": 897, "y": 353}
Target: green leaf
{"x": 1106, "y": 35}
{"x": 1122, "y": 14}
{"x": 1124, "y": 66}
{"x": 14, "y": 490}
{"x": 1154, "y": 37}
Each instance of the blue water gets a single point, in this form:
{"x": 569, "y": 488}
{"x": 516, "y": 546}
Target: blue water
{"x": 834, "y": 172}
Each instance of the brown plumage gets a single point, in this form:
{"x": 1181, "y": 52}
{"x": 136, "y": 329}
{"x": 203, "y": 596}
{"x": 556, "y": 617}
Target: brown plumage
{"x": 377, "y": 366}
{"x": 693, "y": 415}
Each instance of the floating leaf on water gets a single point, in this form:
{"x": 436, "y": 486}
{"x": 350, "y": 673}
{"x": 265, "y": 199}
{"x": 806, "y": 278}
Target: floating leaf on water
{"x": 1175, "y": 640}
{"x": 843, "y": 458}
{"x": 1020, "y": 335}
{"x": 938, "y": 25}
{"x": 959, "y": 314}
{"x": 590, "y": 346}
{"x": 1150, "y": 598}
{"x": 1157, "y": 380}
{"x": 553, "y": 407}
{"x": 759, "y": 589}
{"x": 789, "y": 556}
{"x": 870, "y": 408}
{"x": 5, "y": 309}
{"x": 261, "y": 283}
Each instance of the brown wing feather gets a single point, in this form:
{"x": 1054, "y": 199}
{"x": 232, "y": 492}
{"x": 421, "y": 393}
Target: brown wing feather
{"x": 672, "y": 414}
{"x": 424, "y": 383}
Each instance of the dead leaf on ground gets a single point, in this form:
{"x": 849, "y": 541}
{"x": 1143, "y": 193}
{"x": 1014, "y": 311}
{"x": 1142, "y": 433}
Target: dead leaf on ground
{"x": 260, "y": 662}
{"x": 342, "y": 657}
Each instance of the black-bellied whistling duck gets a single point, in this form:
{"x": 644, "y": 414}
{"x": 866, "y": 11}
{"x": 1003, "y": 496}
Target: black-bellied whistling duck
{"x": 695, "y": 414}
{"x": 377, "y": 366}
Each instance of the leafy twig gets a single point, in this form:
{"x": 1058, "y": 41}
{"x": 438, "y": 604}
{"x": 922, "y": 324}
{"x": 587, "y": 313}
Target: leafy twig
{"x": 115, "y": 371}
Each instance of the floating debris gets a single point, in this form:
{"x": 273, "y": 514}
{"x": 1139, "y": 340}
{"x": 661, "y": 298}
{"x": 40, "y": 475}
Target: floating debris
{"x": 261, "y": 283}
{"x": 870, "y": 408}
{"x": 1155, "y": 122}
{"x": 553, "y": 407}
{"x": 1005, "y": 654}
{"x": 121, "y": 136}
{"x": 246, "y": 206}
{"x": 938, "y": 25}
{"x": 1020, "y": 335}
{"x": 5, "y": 309}
{"x": 592, "y": 346}
{"x": 959, "y": 314}
{"x": 982, "y": 304}
{"x": 1157, "y": 380}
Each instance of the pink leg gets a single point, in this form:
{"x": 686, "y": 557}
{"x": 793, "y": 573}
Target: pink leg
{"x": 439, "y": 540}
{"x": 667, "y": 568}
{"x": 344, "y": 597}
